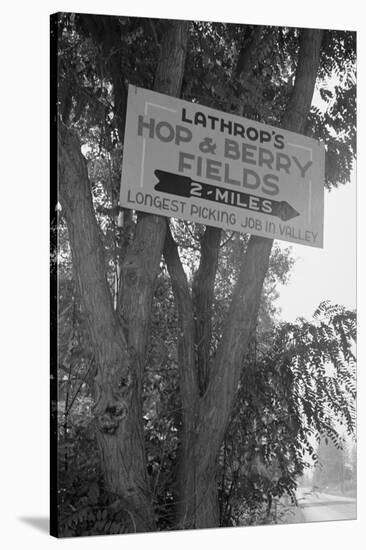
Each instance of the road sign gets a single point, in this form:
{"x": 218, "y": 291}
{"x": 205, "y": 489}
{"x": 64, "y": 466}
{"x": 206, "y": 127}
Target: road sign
{"x": 184, "y": 160}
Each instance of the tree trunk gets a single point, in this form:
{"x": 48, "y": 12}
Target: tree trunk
{"x": 203, "y": 294}
{"x": 198, "y": 498}
{"x": 116, "y": 420}
{"x": 119, "y": 338}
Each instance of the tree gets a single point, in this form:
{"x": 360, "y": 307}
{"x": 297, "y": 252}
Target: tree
{"x": 293, "y": 393}
{"x": 268, "y": 74}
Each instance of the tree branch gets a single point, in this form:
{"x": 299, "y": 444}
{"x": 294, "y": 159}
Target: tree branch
{"x": 141, "y": 263}
{"x": 203, "y": 294}
{"x": 119, "y": 346}
{"x": 219, "y": 398}
{"x": 85, "y": 239}
{"x": 298, "y": 109}
{"x": 227, "y": 240}
{"x": 186, "y": 355}
{"x": 247, "y": 52}
{"x": 241, "y": 319}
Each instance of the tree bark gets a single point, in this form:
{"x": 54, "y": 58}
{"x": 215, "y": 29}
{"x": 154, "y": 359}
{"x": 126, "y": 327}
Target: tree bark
{"x": 199, "y": 497}
{"x": 203, "y": 294}
{"x": 188, "y": 381}
{"x": 119, "y": 338}
{"x": 194, "y": 337}
{"x": 141, "y": 263}
{"x": 116, "y": 420}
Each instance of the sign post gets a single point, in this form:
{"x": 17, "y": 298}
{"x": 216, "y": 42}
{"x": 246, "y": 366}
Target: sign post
{"x": 188, "y": 161}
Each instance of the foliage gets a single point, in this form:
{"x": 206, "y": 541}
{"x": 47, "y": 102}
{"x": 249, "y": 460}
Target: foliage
{"x": 241, "y": 68}
{"x": 79, "y": 468}
{"x": 297, "y": 377}
{"x": 296, "y": 385}
{"x": 291, "y": 394}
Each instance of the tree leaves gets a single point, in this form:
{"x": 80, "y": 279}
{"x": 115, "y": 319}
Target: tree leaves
{"x": 299, "y": 379}
{"x": 301, "y": 387}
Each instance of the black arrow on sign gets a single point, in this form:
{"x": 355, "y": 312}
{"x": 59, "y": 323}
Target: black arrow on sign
{"x": 183, "y": 186}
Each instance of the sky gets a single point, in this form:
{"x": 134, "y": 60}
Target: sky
{"x": 328, "y": 273}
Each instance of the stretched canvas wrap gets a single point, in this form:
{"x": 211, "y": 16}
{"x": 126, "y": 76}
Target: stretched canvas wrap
{"x": 199, "y": 378}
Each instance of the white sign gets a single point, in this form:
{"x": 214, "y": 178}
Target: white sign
{"x": 188, "y": 161}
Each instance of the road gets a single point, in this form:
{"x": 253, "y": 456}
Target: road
{"x": 315, "y": 506}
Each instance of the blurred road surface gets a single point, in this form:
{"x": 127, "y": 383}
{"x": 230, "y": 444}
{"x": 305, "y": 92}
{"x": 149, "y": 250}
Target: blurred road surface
{"x": 314, "y": 506}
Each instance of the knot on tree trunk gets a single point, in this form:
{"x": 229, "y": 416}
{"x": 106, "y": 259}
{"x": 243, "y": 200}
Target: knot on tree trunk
{"x": 113, "y": 393}
{"x": 109, "y": 421}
